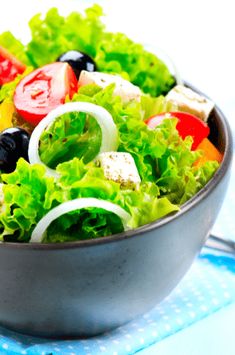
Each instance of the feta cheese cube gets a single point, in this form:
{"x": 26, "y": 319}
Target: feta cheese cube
{"x": 189, "y": 101}
{"x": 123, "y": 88}
{"x": 119, "y": 167}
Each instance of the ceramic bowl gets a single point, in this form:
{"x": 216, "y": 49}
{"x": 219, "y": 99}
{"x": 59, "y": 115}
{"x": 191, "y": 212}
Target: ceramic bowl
{"x": 88, "y": 287}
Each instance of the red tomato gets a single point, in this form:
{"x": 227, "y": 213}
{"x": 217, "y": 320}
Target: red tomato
{"x": 188, "y": 125}
{"x": 9, "y": 66}
{"x": 43, "y": 90}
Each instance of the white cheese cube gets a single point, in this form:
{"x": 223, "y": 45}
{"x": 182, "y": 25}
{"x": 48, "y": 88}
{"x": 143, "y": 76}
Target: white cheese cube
{"x": 123, "y": 88}
{"x": 188, "y": 100}
{"x": 119, "y": 167}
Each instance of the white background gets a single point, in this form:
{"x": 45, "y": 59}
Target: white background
{"x": 198, "y": 35}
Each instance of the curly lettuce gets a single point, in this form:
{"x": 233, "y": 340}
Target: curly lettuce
{"x": 29, "y": 194}
{"x": 14, "y": 46}
{"x": 81, "y": 136}
{"x": 27, "y": 197}
{"x": 8, "y": 89}
{"x": 112, "y": 52}
{"x": 161, "y": 156}
{"x": 166, "y": 164}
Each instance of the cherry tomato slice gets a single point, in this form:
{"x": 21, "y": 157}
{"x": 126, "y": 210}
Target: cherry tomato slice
{"x": 43, "y": 90}
{"x": 188, "y": 125}
{"x": 9, "y": 66}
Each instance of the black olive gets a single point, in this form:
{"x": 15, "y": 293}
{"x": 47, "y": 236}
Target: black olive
{"x": 14, "y": 144}
{"x": 78, "y": 61}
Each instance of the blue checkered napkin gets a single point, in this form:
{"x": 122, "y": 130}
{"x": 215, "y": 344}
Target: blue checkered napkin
{"x": 209, "y": 286}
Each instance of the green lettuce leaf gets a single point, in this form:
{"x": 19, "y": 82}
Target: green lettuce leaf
{"x": 29, "y": 195}
{"x": 179, "y": 180}
{"x": 56, "y": 34}
{"x": 165, "y": 162}
{"x": 119, "y": 54}
{"x": 14, "y": 46}
{"x": 161, "y": 156}
{"x": 81, "y": 139}
{"x": 144, "y": 203}
{"x": 88, "y": 223}
{"x": 26, "y": 190}
{"x": 7, "y": 90}
{"x": 78, "y": 133}
{"x": 112, "y": 52}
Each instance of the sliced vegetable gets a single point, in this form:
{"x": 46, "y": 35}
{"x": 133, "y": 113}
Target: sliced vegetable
{"x": 10, "y": 66}
{"x": 210, "y": 153}
{"x": 6, "y": 113}
{"x": 188, "y": 125}
{"x": 43, "y": 90}
{"x": 77, "y": 204}
{"x": 103, "y": 117}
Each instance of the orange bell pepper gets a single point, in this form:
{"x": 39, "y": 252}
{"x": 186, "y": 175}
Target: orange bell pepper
{"x": 210, "y": 153}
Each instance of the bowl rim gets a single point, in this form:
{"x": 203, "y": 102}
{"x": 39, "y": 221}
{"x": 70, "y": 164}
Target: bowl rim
{"x": 133, "y": 233}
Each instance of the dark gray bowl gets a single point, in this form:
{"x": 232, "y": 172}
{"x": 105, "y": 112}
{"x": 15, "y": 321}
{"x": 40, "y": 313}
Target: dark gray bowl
{"x": 88, "y": 287}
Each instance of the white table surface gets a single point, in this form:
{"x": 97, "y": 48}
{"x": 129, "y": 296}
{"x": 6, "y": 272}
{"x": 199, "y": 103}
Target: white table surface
{"x": 199, "y": 35}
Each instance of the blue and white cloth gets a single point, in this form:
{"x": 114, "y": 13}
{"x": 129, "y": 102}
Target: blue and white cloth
{"x": 208, "y": 287}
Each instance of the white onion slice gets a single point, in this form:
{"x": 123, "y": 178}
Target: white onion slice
{"x": 73, "y": 205}
{"x": 104, "y": 119}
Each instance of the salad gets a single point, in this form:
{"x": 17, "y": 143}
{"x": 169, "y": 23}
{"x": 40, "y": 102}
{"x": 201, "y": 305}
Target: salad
{"x": 96, "y": 136}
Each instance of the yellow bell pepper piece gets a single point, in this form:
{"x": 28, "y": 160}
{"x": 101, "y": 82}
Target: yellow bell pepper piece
{"x": 6, "y": 112}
